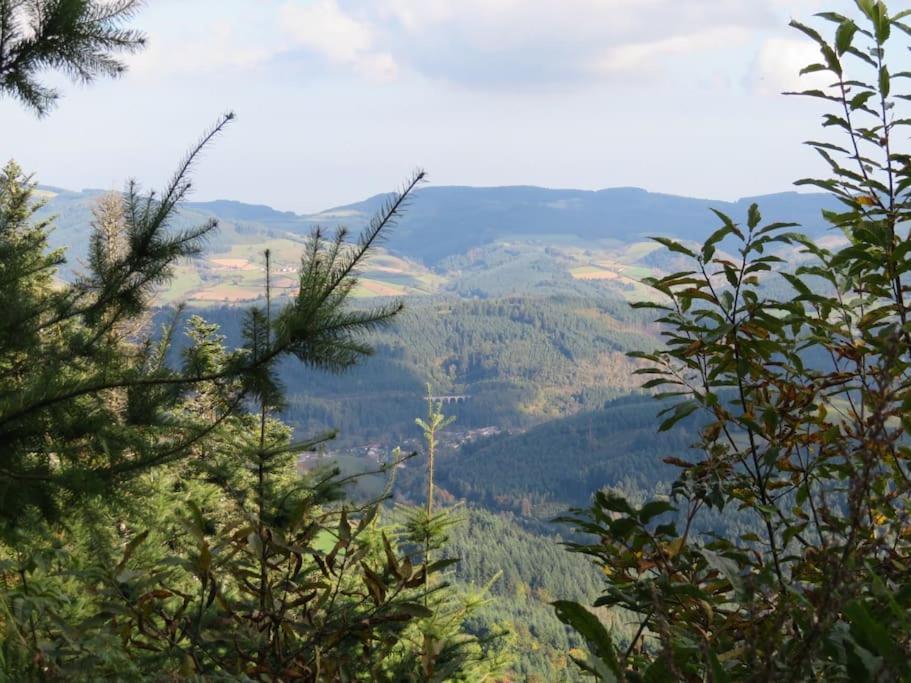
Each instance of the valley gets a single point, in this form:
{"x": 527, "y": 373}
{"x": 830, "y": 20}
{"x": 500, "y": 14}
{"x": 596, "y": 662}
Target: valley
{"x": 517, "y": 301}
{"x": 531, "y": 327}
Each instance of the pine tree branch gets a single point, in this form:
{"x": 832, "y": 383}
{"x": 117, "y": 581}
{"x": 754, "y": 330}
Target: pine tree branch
{"x": 77, "y": 37}
{"x": 375, "y": 230}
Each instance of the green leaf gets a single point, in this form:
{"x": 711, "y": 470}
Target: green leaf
{"x": 866, "y": 6}
{"x": 798, "y": 284}
{"x": 803, "y": 493}
{"x": 374, "y": 583}
{"x": 719, "y": 675}
{"x": 414, "y": 609}
{"x": 255, "y": 544}
{"x": 812, "y": 33}
{"x": 881, "y": 590}
{"x": 613, "y": 502}
{"x": 131, "y": 547}
{"x": 832, "y": 16}
{"x": 884, "y": 81}
{"x": 844, "y": 35}
{"x": 392, "y": 564}
{"x": 344, "y": 529}
{"x": 883, "y": 27}
{"x": 654, "y": 508}
{"x": 872, "y": 634}
{"x": 832, "y": 60}
{"x": 203, "y": 561}
{"x": 754, "y": 218}
{"x": 196, "y": 524}
{"x": 860, "y": 100}
{"x": 727, "y": 567}
{"x": 674, "y": 246}
{"x": 813, "y": 68}
{"x": 659, "y": 672}
{"x": 708, "y": 248}
{"x": 681, "y": 410}
{"x": 592, "y": 630}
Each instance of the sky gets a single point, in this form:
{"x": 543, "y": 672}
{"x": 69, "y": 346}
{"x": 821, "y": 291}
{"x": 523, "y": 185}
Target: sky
{"x": 338, "y": 100}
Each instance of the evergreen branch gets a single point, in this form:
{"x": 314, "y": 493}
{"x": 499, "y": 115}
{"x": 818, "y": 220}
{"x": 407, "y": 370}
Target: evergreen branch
{"x": 179, "y": 185}
{"x": 384, "y": 219}
{"x": 176, "y": 450}
{"x": 77, "y": 37}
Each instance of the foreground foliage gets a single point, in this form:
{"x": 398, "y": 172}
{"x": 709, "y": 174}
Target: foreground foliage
{"x": 153, "y": 521}
{"x": 806, "y": 401}
{"x": 190, "y": 545}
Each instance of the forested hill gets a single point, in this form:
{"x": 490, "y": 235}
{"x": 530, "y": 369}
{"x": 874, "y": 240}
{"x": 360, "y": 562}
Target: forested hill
{"x": 521, "y": 361}
{"x": 445, "y": 221}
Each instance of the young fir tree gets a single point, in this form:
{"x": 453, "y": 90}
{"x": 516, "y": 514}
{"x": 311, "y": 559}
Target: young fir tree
{"x": 83, "y": 406}
{"x": 435, "y": 423}
{"x": 805, "y": 403}
{"x": 81, "y": 38}
{"x": 81, "y": 403}
{"x": 445, "y": 652}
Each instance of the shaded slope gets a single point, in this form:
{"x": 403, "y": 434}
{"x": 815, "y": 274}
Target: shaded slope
{"x": 560, "y": 463}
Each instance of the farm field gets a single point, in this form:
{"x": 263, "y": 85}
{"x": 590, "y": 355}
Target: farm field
{"x": 237, "y": 275}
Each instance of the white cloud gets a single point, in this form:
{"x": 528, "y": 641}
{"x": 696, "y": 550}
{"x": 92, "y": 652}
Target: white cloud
{"x": 524, "y": 42}
{"x": 481, "y": 43}
{"x": 322, "y": 27}
{"x": 245, "y": 35}
{"x": 222, "y": 45}
{"x": 778, "y": 66}
{"x": 637, "y": 57}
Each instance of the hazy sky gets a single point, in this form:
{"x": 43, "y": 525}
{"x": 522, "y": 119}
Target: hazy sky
{"x": 340, "y": 99}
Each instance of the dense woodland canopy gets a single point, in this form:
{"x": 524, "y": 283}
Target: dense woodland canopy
{"x": 520, "y": 359}
{"x": 243, "y": 492}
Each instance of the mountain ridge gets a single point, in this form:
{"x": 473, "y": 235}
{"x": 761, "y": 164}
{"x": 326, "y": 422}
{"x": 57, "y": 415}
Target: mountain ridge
{"x": 379, "y": 197}
{"x": 225, "y": 205}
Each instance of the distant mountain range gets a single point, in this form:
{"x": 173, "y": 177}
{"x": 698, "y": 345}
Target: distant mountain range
{"x": 443, "y": 221}
{"x": 593, "y": 236}
{"x": 449, "y": 220}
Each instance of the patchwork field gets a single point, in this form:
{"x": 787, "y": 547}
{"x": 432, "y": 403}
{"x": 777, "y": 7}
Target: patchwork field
{"x": 617, "y": 267}
{"x": 237, "y": 275}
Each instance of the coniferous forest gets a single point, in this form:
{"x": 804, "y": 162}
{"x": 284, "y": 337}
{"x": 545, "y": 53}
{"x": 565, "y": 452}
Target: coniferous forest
{"x": 453, "y": 433}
